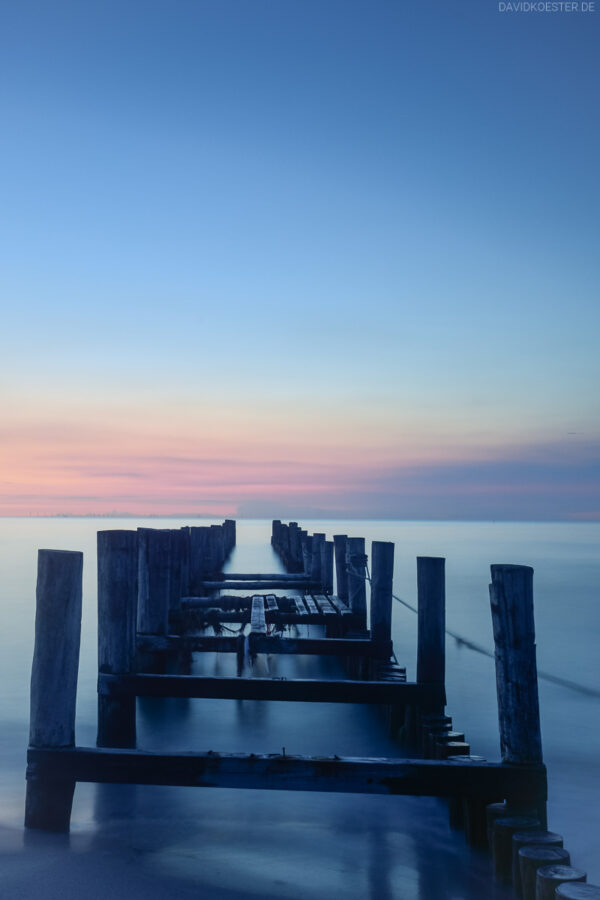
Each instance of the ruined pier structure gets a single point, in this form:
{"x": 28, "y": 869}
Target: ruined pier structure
{"x": 160, "y": 591}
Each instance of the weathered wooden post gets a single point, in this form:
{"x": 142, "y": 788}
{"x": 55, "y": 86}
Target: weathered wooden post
{"x": 54, "y": 683}
{"x": 511, "y": 597}
{"x": 153, "y": 590}
{"x": 117, "y": 612}
{"x": 217, "y": 548}
{"x": 307, "y": 552}
{"x": 295, "y": 562}
{"x": 341, "y": 573}
{"x": 431, "y": 626}
{"x": 275, "y": 526}
{"x": 229, "y": 531}
{"x": 356, "y": 562}
{"x": 315, "y": 568}
{"x": 185, "y": 560}
{"x": 382, "y": 577}
{"x": 177, "y": 566}
{"x": 199, "y": 560}
{"x": 327, "y": 566}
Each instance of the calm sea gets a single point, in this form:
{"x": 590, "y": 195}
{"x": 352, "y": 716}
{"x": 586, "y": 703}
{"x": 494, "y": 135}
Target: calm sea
{"x": 156, "y": 842}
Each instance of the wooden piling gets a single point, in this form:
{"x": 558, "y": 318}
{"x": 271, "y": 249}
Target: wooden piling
{"x": 315, "y": 566}
{"x": 153, "y": 581}
{"x": 117, "y": 611}
{"x": 511, "y": 595}
{"x": 306, "y": 545}
{"x": 431, "y": 626}
{"x": 550, "y": 877}
{"x": 532, "y": 858}
{"x": 382, "y": 577}
{"x": 199, "y": 561}
{"x": 177, "y": 554}
{"x": 54, "y": 682}
{"x": 327, "y": 567}
{"x": 356, "y": 561}
{"x": 527, "y": 838}
{"x": 503, "y": 830}
{"x": 216, "y": 548}
{"x": 577, "y": 890}
{"x": 341, "y": 573}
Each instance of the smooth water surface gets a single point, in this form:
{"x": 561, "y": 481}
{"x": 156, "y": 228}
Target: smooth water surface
{"x": 173, "y": 842}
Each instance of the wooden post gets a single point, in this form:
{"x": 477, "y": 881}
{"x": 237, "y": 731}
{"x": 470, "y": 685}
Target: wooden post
{"x": 356, "y": 561}
{"x": 117, "y": 610}
{"x": 315, "y": 568}
{"x": 341, "y": 574}
{"x": 307, "y": 552}
{"x": 199, "y": 559}
{"x": 153, "y": 581}
{"x": 382, "y": 577}
{"x": 54, "y": 682}
{"x": 185, "y": 561}
{"x": 327, "y": 567}
{"x": 177, "y": 582}
{"x": 275, "y": 526}
{"x": 431, "y": 626}
{"x": 217, "y": 548}
{"x": 229, "y": 531}
{"x": 511, "y": 596}
{"x": 532, "y": 858}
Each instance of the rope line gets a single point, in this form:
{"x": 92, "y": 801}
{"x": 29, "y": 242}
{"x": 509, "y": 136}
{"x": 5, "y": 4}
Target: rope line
{"x": 478, "y": 648}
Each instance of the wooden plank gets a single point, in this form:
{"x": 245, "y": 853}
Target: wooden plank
{"x": 267, "y": 644}
{"x": 271, "y": 601}
{"x": 300, "y": 607}
{"x": 304, "y": 690}
{"x": 422, "y": 777}
{"x": 257, "y": 616}
{"x": 340, "y": 606}
{"x": 324, "y": 604}
{"x": 311, "y": 605}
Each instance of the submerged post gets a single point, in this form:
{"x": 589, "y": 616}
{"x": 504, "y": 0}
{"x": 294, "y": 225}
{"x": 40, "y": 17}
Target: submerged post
{"x": 356, "y": 562}
{"x": 431, "y": 627}
{"x": 382, "y": 576}
{"x": 341, "y": 574}
{"x": 54, "y": 682}
{"x": 117, "y": 610}
{"x": 511, "y": 597}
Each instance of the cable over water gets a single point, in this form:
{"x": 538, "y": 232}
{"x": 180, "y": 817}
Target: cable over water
{"x": 479, "y": 648}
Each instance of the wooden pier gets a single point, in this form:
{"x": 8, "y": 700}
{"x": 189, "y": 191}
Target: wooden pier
{"x": 161, "y": 591}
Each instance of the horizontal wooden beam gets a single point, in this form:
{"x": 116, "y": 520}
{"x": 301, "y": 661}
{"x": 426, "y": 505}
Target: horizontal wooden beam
{"x": 288, "y": 577}
{"x": 421, "y": 777}
{"x": 271, "y": 584}
{"x": 303, "y": 690}
{"x": 268, "y": 644}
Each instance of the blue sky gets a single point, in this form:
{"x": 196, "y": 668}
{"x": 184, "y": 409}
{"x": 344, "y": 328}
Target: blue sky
{"x": 358, "y": 235}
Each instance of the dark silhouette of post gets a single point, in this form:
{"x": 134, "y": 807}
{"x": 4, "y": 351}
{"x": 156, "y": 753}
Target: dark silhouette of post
{"x": 431, "y": 628}
{"x": 382, "y": 577}
{"x": 341, "y": 574}
{"x": 356, "y": 562}
{"x": 54, "y": 683}
{"x": 117, "y": 614}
